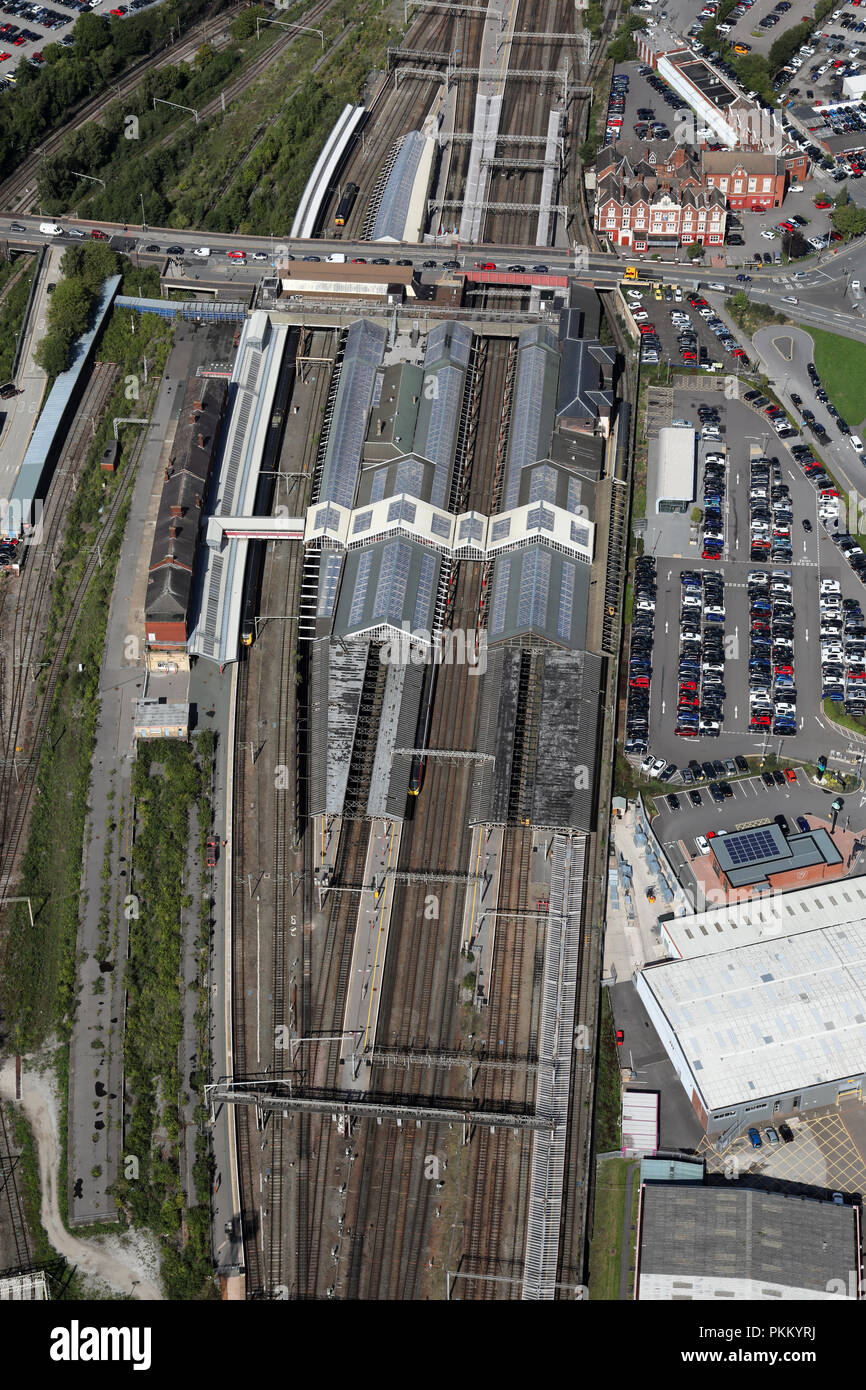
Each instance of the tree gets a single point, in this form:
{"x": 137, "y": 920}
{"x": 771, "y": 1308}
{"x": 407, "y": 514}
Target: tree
{"x": 849, "y": 220}
{"x": 245, "y": 24}
{"x": 842, "y": 197}
{"x": 91, "y": 33}
{"x": 52, "y": 354}
{"x": 694, "y": 251}
{"x": 794, "y": 245}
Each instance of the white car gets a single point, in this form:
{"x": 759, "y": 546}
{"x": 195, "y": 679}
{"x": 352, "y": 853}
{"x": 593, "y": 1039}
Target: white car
{"x": 640, "y": 316}
{"x": 646, "y": 765}
{"x": 768, "y": 235}
{"x": 789, "y": 299}
{"x": 202, "y": 252}
{"x": 702, "y": 844}
{"x": 658, "y": 766}
{"x": 678, "y": 294}
{"x": 830, "y": 586}
{"x": 856, "y": 443}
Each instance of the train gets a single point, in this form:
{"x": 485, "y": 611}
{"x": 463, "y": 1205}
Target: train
{"x": 346, "y": 203}
{"x": 264, "y": 490}
{"x": 422, "y": 733}
{"x": 252, "y": 589}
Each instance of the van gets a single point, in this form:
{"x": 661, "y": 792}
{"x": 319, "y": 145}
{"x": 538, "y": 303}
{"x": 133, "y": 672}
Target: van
{"x": 50, "y": 229}
{"x": 202, "y": 252}
{"x": 631, "y": 272}
{"x": 337, "y": 257}
{"x": 856, "y": 443}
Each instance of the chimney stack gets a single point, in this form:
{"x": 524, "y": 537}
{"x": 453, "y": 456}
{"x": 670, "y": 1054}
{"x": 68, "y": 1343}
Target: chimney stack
{"x": 199, "y": 439}
{"x": 175, "y": 509}
{"x": 172, "y": 531}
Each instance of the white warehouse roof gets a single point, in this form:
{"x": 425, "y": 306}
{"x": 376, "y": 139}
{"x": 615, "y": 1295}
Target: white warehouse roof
{"x": 836, "y": 903}
{"x": 675, "y": 466}
{"x": 763, "y": 1019}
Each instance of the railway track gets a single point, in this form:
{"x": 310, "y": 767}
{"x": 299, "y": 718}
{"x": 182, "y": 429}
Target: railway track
{"x": 13, "y": 1201}
{"x": 24, "y": 728}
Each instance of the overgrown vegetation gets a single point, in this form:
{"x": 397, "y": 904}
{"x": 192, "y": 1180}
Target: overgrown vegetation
{"x": 243, "y": 169}
{"x": 43, "y": 99}
{"x": 167, "y": 783}
{"x": 750, "y": 315}
{"x": 37, "y": 984}
{"x": 12, "y": 311}
{"x": 605, "y": 1253}
{"x": 84, "y": 269}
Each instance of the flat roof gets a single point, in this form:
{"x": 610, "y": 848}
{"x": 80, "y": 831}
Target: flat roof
{"x": 735, "y": 1242}
{"x": 769, "y": 1018}
{"x": 755, "y": 855}
{"x": 767, "y": 917}
{"x": 674, "y": 474}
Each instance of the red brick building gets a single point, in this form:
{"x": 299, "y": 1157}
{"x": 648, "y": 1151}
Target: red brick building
{"x": 752, "y": 181}
{"x": 651, "y": 196}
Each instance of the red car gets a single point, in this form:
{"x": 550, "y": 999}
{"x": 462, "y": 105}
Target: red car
{"x": 121, "y": 10}
{"x": 211, "y": 855}
{"x": 620, "y": 1037}
{"x": 790, "y": 774}
{"x": 485, "y": 265}
{"x": 710, "y": 555}
{"x": 98, "y": 235}
{"x": 822, "y": 202}
{"x": 690, "y": 357}
{"x": 639, "y": 682}
{"x": 359, "y": 260}
{"x": 236, "y": 255}
{"x": 647, "y": 328}
{"x": 4, "y": 56}
{"x": 737, "y": 352}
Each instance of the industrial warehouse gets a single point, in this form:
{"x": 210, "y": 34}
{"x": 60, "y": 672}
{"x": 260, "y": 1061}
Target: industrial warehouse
{"x": 761, "y": 1011}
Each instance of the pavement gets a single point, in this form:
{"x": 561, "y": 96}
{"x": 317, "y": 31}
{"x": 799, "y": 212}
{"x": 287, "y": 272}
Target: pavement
{"x": 22, "y": 411}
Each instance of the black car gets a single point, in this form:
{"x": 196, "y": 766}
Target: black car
{"x": 175, "y": 251}
{"x": 695, "y": 798}
{"x": 742, "y": 765}
{"x": 716, "y": 792}
{"x": 778, "y": 778}
{"x": 673, "y": 801}
{"x": 428, "y": 265}
{"x": 767, "y": 779}
{"x": 152, "y": 249}
{"x": 782, "y": 824}
{"x": 786, "y": 1134}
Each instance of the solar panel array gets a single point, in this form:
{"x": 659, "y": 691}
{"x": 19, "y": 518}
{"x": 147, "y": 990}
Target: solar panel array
{"x": 534, "y": 589}
{"x": 359, "y": 597}
{"x": 751, "y": 846}
{"x": 365, "y": 345}
{"x": 501, "y": 581}
{"x": 579, "y": 534}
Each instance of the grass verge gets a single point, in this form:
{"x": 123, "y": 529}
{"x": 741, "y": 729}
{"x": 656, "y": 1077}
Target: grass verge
{"x": 605, "y": 1251}
{"x": 841, "y": 365}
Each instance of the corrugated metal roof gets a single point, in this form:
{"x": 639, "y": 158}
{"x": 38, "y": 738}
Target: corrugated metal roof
{"x": 394, "y": 205}
{"x": 674, "y": 474}
{"x": 40, "y": 456}
{"x": 533, "y": 411}
{"x": 539, "y": 592}
{"x": 734, "y": 1242}
{"x": 771, "y": 1018}
{"x": 365, "y": 345}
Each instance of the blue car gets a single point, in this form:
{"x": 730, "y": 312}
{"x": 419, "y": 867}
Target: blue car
{"x": 802, "y": 824}
{"x": 754, "y": 1139}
